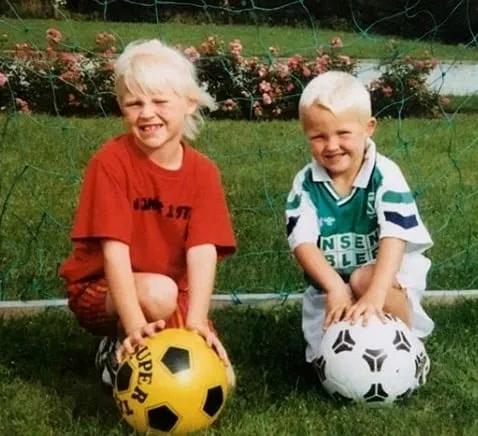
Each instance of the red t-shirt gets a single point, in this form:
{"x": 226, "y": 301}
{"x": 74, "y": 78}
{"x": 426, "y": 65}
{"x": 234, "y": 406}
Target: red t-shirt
{"x": 159, "y": 213}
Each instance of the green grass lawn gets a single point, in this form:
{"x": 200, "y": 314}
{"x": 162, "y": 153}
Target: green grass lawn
{"x": 256, "y": 39}
{"x": 49, "y": 384}
{"x": 43, "y": 158}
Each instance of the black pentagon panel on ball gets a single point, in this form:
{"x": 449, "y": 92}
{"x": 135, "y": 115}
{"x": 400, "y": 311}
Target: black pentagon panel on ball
{"x": 420, "y": 361}
{"x": 376, "y": 393}
{"x": 214, "y": 401}
{"x": 341, "y": 398}
{"x": 374, "y": 358}
{"x": 123, "y": 377}
{"x": 176, "y": 359}
{"x": 404, "y": 396}
{"x": 162, "y": 418}
{"x": 401, "y": 342}
{"x": 344, "y": 342}
{"x": 390, "y": 317}
{"x": 319, "y": 365}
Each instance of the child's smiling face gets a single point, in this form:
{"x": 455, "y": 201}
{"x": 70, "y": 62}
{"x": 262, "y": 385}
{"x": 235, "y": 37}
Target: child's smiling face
{"x": 156, "y": 120}
{"x": 337, "y": 142}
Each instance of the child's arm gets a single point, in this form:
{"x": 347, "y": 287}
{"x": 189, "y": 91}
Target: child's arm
{"x": 122, "y": 288}
{"x": 319, "y": 270}
{"x": 389, "y": 259}
{"x": 201, "y": 266}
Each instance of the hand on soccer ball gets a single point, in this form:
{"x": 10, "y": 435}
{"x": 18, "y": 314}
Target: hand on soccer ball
{"x": 213, "y": 341}
{"x": 136, "y": 337}
{"x": 371, "y": 303}
{"x": 339, "y": 302}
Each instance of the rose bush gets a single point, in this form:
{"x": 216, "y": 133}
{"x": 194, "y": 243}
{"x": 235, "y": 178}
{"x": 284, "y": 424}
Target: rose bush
{"x": 64, "y": 82}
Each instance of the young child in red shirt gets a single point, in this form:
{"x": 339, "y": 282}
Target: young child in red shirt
{"x": 152, "y": 219}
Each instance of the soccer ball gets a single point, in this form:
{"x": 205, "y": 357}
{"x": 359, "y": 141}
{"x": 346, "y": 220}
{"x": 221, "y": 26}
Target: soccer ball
{"x": 175, "y": 383}
{"x": 379, "y": 363}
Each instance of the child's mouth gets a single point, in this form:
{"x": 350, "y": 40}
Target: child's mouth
{"x": 150, "y": 128}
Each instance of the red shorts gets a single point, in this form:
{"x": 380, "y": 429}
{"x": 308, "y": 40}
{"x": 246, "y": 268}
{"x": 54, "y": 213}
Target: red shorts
{"x": 87, "y": 300}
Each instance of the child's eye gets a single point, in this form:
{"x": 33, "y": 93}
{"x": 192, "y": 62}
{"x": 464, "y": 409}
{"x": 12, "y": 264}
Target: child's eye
{"x": 132, "y": 103}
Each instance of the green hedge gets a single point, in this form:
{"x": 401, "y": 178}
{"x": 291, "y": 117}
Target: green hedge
{"x": 75, "y": 83}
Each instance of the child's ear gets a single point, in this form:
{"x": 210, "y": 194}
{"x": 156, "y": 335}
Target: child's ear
{"x": 191, "y": 106}
{"x": 370, "y": 127}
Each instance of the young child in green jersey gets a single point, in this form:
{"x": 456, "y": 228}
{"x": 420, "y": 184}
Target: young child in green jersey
{"x": 352, "y": 222}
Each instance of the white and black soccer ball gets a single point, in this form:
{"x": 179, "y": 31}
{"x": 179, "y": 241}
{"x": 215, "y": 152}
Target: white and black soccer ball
{"x": 380, "y": 363}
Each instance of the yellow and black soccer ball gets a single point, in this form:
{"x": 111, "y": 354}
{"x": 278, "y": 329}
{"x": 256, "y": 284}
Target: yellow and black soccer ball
{"x": 175, "y": 383}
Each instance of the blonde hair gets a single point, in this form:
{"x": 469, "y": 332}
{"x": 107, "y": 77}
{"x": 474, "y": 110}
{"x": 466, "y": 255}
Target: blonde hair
{"x": 149, "y": 67}
{"x": 338, "y": 92}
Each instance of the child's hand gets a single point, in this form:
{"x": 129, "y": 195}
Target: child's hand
{"x": 136, "y": 337}
{"x": 371, "y": 303}
{"x": 338, "y": 303}
{"x": 213, "y": 341}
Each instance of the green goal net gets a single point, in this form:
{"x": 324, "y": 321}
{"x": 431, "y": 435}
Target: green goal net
{"x": 57, "y": 107}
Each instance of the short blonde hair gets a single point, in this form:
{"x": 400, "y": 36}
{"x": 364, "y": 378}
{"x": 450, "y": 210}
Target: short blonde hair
{"x": 338, "y": 92}
{"x": 149, "y": 67}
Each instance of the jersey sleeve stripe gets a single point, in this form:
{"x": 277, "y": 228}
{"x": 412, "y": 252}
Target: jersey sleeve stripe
{"x": 294, "y": 203}
{"x": 397, "y": 197}
{"x": 405, "y": 222}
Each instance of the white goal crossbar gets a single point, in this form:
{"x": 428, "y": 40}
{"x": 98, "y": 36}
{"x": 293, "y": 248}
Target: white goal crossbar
{"x": 236, "y": 299}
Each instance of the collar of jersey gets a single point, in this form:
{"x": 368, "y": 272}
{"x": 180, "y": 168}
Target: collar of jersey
{"x": 319, "y": 173}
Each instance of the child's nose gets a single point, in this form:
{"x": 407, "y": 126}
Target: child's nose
{"x": 332, "y": 143}
{"x": 147, "y": 111}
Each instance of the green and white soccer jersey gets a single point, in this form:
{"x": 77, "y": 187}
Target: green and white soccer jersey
{"x": 348, "y": 229}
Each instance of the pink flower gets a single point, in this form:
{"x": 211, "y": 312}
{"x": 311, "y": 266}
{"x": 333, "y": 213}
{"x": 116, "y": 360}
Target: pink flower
{"x": 109, "y": 66}
{"x": 109, "y": 52}
{"x": 277, "y": 111}
{"x": 53, "y": 36}
{"x": 3, "y": 79}
{"x": 51, "y": 52}
{"x": 387, "y": 91}
{"x": 229, "y": 105}
{"x": 265, "y": 86}
{"x": 258, "y": 110}
{"x": 282, "y": 71}
{"x": 192, "y": 54}
{"x": 420, "y": 65}
{"x": 68, "y": 58}
{"x": 290, "y": 87}
{"x": 206, "y": 48}
{"x": 345, "y": 60}
{"x": 69, "y": 76}
{"x": 104, "y": 39}
{"x": 294, "y": 61}
{"x": 322, "y": 63}
{"x": 336, "y": 42}
{"x": 306, "y": 72}
{"x": 262, "y": 72}
{"x": 445, "y": 101}
{"x": 266, "y": 98}
{"x": 22, "y": 105}
{"x": 236, "y": 47}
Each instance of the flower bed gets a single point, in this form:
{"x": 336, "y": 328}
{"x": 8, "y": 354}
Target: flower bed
{"x": 62, "y": 82}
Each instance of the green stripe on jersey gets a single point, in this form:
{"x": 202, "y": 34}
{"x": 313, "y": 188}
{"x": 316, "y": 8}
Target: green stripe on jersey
{"x": 397, "y": 197}
{"x": 294, "y": 204}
